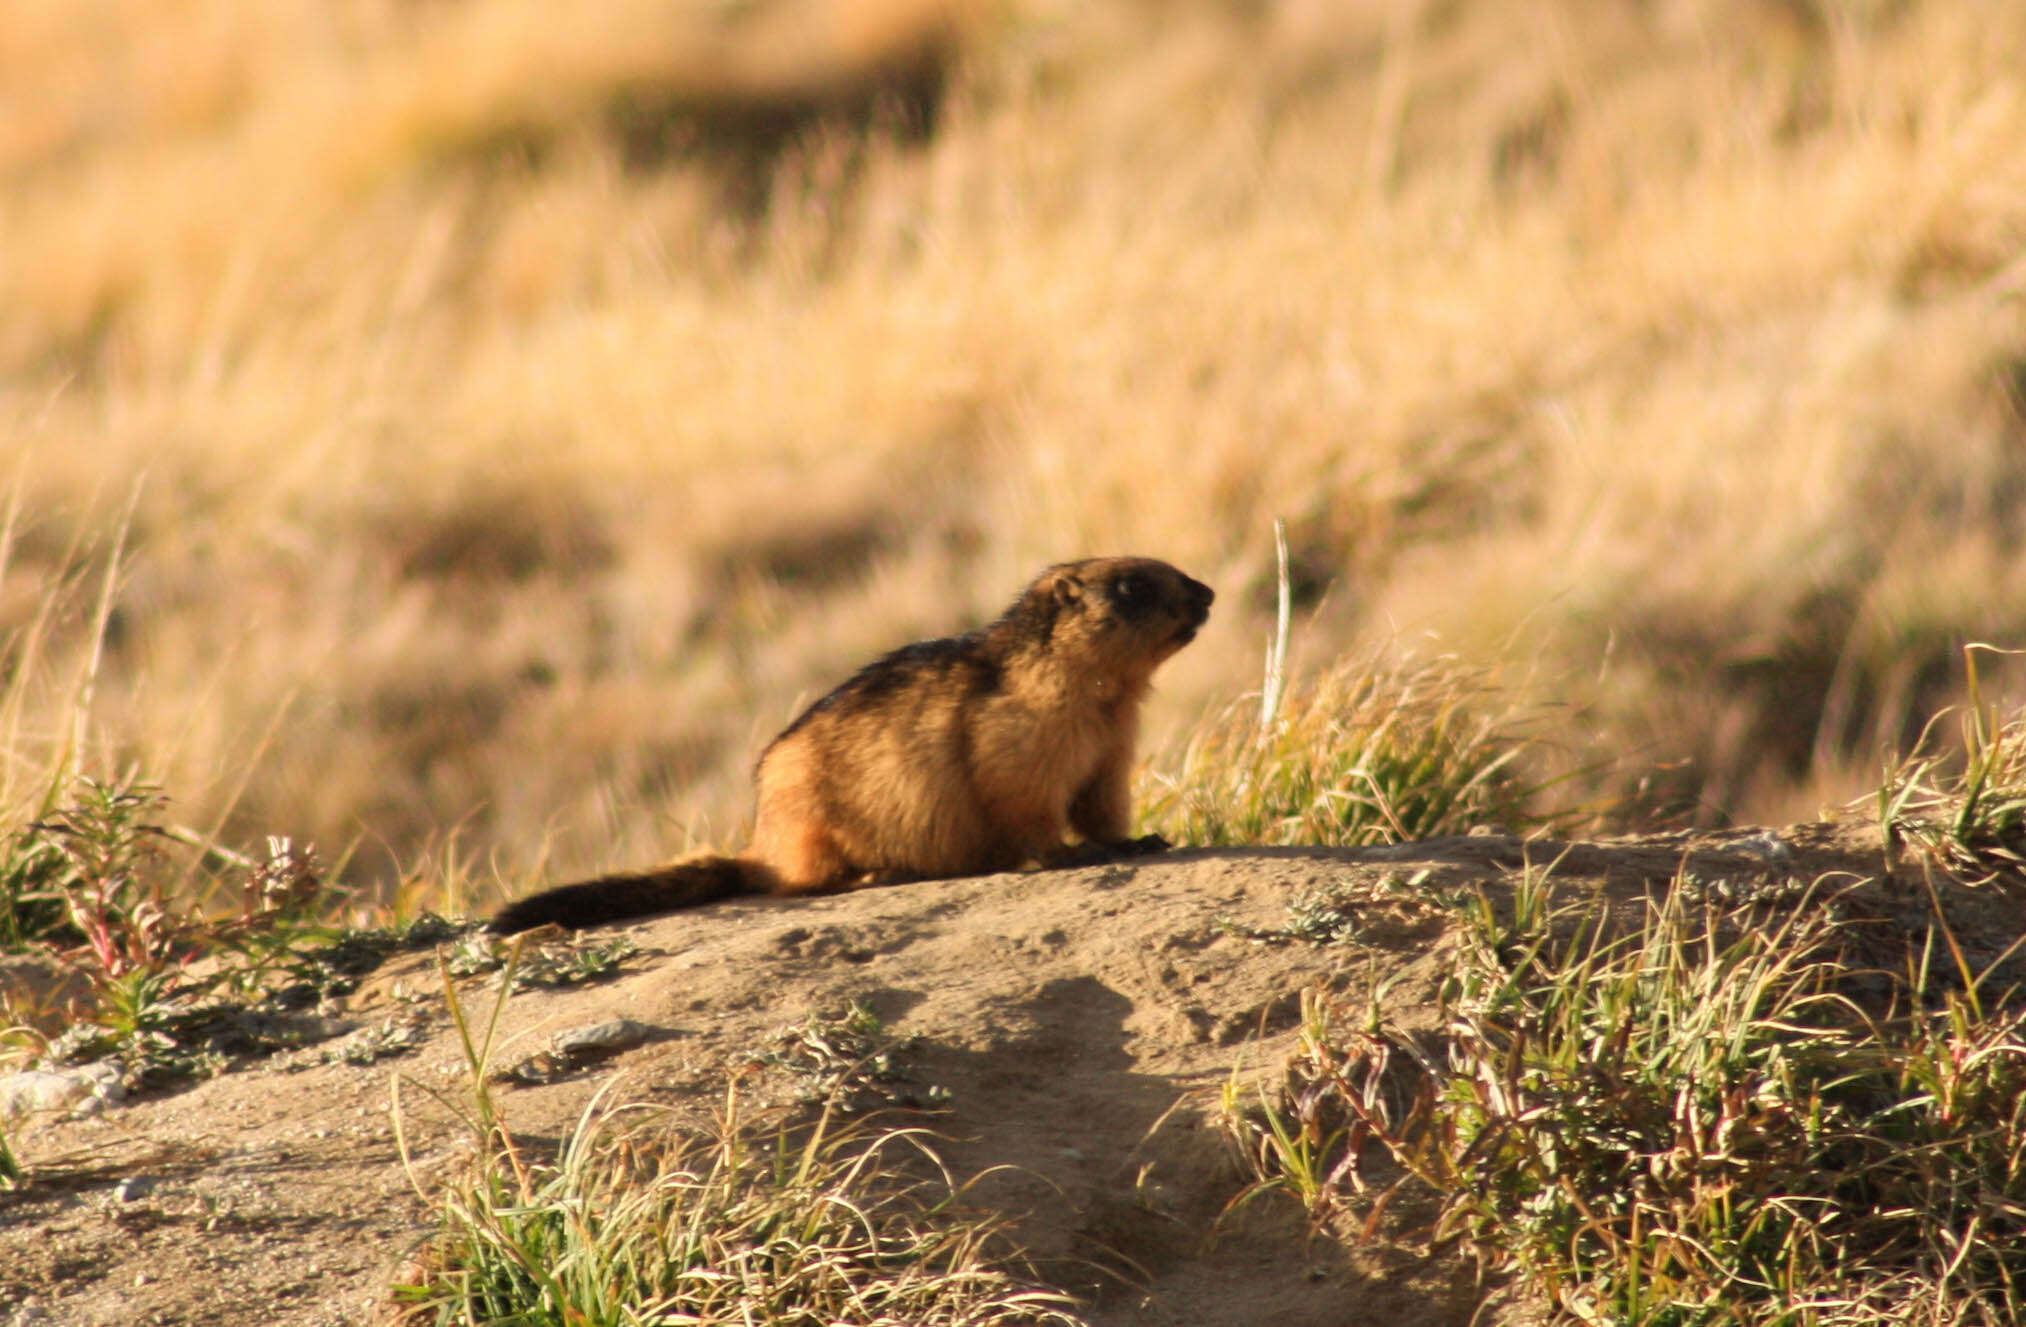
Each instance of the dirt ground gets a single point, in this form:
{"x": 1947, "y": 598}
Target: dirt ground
{"x": 1077, "y": 1026}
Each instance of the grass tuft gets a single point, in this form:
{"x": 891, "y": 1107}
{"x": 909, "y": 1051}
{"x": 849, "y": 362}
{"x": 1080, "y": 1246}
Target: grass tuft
{"x": 823, "y": 1225}
{"x": 1309, "y": 1141}
{"x": 1369, "y": 752}
{"x": 1965, "y": 807}
{"x": 634, "y": 1223}
{"x": 1690, "y": 1123}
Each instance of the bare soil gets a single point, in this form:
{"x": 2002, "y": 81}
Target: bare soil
{"x": 1081, "y": 1023}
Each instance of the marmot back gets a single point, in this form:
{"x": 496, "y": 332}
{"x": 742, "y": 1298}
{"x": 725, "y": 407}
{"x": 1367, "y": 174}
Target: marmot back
{"x": 979, "y": 753}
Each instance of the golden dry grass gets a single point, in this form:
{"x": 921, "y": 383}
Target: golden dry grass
{"x": 518, "y": 417}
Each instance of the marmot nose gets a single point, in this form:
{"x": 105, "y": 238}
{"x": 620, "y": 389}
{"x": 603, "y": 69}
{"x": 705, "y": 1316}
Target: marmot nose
{"x": 1203, "y": 596}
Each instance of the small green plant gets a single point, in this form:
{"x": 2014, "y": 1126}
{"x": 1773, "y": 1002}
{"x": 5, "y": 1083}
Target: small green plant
{"x": 1316, "y": 915}
{"x": 281, "y": 899}
{"x": 1320, "y": 916}
{"x": 1309, "y": 1139}
{"x": 847, "y": 1063}
{"x": 97, "y": 860}
{"x": 477, "y": 1041}
{"x": 569, "y": 960}
{"x": 1370, "y": 752}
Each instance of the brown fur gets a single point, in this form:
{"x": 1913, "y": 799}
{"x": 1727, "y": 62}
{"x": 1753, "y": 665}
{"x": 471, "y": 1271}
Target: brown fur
{"x": 985, "y": 752}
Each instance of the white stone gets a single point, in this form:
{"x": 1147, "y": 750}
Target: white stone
{"x": 82, "y": 1091}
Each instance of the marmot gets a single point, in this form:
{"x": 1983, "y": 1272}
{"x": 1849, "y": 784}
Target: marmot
{"x": 978, "y": 753}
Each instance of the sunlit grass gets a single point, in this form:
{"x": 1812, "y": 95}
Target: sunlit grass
{"x": 1695, "y": 1122}
{"x": 1967, "y": 805}
{"x": 1371, "y": 752}
{"x": 637, "y": 1224}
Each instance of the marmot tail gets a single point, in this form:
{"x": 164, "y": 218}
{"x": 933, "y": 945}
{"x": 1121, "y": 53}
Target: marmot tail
{"x": 615, "y": 898}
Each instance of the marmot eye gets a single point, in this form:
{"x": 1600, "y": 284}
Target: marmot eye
{"x": 1129, "y": 587}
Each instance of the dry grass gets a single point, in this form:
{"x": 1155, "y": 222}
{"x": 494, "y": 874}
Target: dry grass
{"x": 517, "y": 419}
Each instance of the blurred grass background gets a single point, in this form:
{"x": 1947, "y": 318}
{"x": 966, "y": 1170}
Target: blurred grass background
{"x": 481, "y": 427}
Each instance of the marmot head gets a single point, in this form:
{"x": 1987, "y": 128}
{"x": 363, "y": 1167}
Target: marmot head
{"x": 1124, "y": 615}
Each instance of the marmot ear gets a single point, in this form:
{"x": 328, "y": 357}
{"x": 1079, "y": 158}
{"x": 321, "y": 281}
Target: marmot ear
{"x": 1068, "y": 589}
